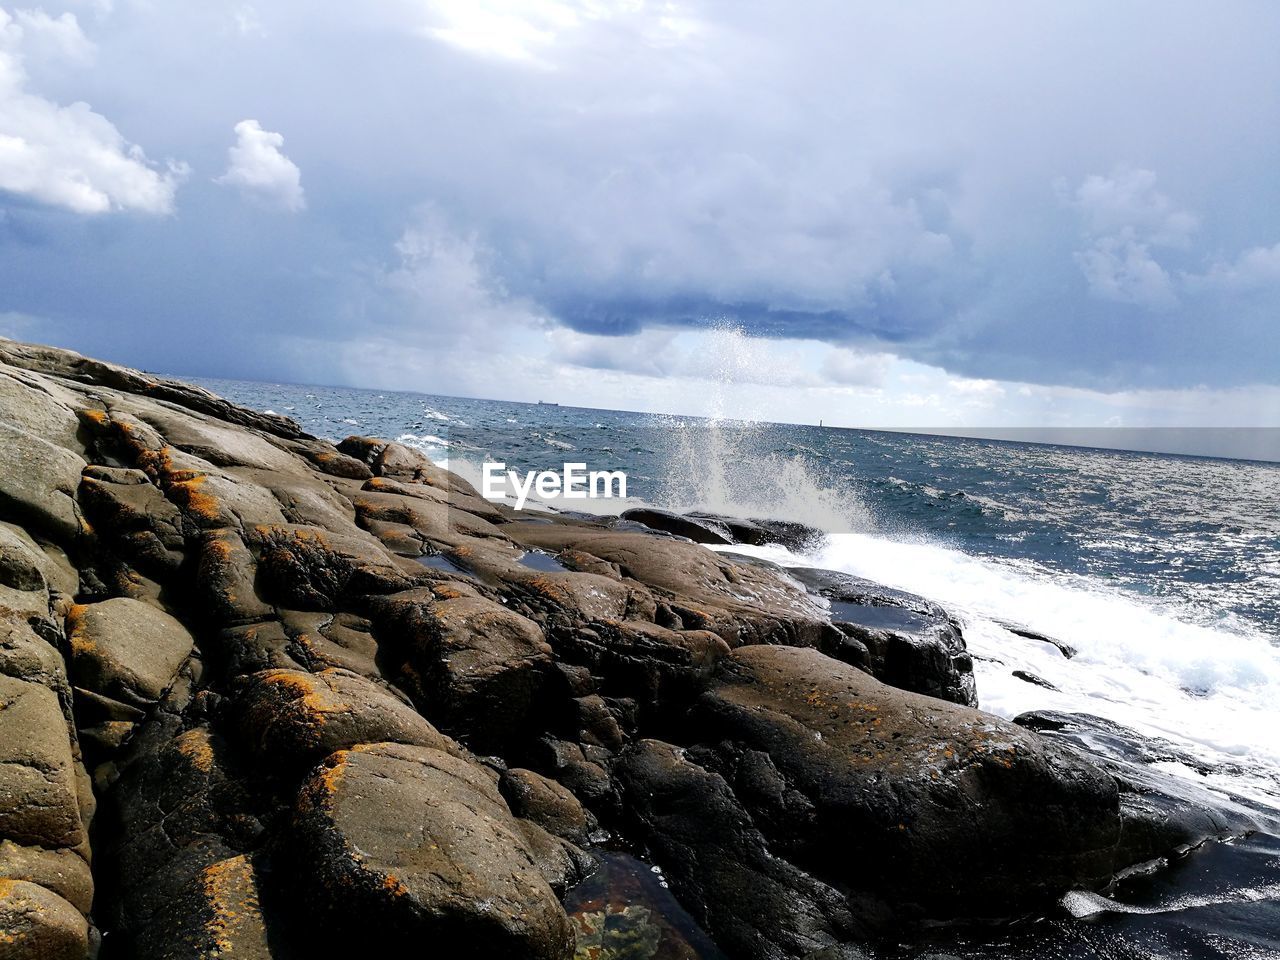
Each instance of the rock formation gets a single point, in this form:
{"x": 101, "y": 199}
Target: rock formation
{"x": 261, "y": 696}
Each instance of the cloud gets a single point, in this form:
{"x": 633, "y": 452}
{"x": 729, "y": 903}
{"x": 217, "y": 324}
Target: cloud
{"x": 1125, "y": 216}
{"x": 259, "y": 168}
{"x": 46, "y": 36}
{"x": 622, "y": 172}
{"x": 1256, "y": 269}
{"x": 853, "y": 369}
{"x": 448, "y": 292}
{"x": 525, "y": 33}
{"x": 1128, "y": 202}
{"x": 648, "y": 353}
{"x": 68, "y": 156}
{"x": 1122, "y": 269}
{"x": 247, "y": 21}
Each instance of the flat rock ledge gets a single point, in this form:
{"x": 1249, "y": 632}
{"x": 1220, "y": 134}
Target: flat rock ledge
{"x": 264, "y": 696}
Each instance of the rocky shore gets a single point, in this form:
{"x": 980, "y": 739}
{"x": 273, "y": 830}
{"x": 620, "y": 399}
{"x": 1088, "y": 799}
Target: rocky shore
{"x": 261, "y": 696}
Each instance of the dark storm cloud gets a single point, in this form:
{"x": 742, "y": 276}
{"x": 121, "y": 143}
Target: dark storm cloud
{"x": 1083, "y": 194}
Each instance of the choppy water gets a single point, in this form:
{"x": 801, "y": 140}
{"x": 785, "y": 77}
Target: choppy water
{"x": 1163, "y": 572}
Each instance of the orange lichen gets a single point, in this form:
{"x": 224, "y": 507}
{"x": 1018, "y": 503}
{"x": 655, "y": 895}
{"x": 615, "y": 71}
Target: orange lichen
{"x": 197, "y": 748}
{"x": 80, "y": 643}
{"x": 304, "y": 689}
{"x": 188, "y": 493}
{"x": 391, "y": 883}
{"x": 232, "y": 897}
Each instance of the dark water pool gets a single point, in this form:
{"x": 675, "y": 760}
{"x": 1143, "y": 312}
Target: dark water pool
{"x": 624, "y": 911}
{"x": 536, "y": 560}
{"x": 441, "y": 562}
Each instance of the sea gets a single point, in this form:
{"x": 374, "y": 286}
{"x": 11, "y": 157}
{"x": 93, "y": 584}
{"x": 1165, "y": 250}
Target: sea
{"x": 1161, "y": 571}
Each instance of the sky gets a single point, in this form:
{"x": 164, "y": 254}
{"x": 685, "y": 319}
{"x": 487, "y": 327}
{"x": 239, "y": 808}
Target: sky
{"x": 917, "y": 214}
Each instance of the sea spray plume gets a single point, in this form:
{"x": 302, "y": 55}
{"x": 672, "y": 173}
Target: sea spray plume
{"x": 744, "y": 466}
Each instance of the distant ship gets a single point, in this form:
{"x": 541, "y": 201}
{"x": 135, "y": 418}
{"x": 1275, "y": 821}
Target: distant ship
{"x": 544, "y": 403}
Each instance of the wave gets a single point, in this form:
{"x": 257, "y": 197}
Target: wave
{"x": 733, "y": 468}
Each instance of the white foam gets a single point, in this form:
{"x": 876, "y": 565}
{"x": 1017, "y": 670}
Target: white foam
{"x": 1215, "y": 691}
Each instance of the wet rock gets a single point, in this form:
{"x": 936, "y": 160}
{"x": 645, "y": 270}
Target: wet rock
{"x": 293, "y": 719}
{"x": 796, "y": 537}
{"x": 1034, "y": 679}
{"x": 964, "y": 814}
{"x": 909, "y": 642}
{"x": 755, "y": 904}
{"x": 534, "y": 797}
{"x": 1018, "y": 630}
{"x": 1164, "y": 815}
{"x": 697, "y": 529}
{"x": 423, "y": 844}
{"x": 700, "y": 590}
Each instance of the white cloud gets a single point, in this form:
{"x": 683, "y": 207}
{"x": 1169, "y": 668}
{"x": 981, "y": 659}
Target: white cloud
{"x": 648, "y": 353}
{"x": 46, "y": 36}
{"x": 1128, "y": 201}
{"x": 1122, "y": 269}
{"x": 450, "y": 293}
{"x": 247, "y": 21}
{"x": 525, "y": 32}
{"x": 856, "y": 369}
{"x": 1254, "y": 269}
{"x": 68, "y": 156}
{"x": 1124, "y": 216}
{"x": 259, "y": 168}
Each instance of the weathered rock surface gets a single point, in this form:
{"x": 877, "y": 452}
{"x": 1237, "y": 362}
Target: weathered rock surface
{"x": 316, "y": 680}
{"x": 416, "y": 846}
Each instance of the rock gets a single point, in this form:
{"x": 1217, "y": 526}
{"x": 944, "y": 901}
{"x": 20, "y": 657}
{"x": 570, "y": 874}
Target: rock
{"x": 20, "y": 561}
{"x": 309, "y": 568}
{"x": 126, "y": 650}
{"x": 225, "y": 578}
{"x": 1034, "y": 679}
{"x": 133, "y": 514}
{"x": 39, "y": 804}
{"x": 700, "y": 590}
{"x": 25, "y": 655}
{"x": 569, "y": 765}
{"x": 1164, "y": 815}
{"x": 294, "y": 719}
{"x": 473, "y": 666}
{"x": 72, "y": 366}
{"x": 963, "y": 814}
{"x": 215, "y": 911}
{"x": 796, "y": 537}
{"x": 37, "y": 924}
{"x": 756, "y": 905}
{"x": 532, "y": 796}
{"x": 38, "y": 482}
{"x": 423, "y": 842}
{"x": 62, "y": 871}
{"x": 1018, "y": 630}
{"x": 697, "y": 529}
{"x": 910, "y": 642}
